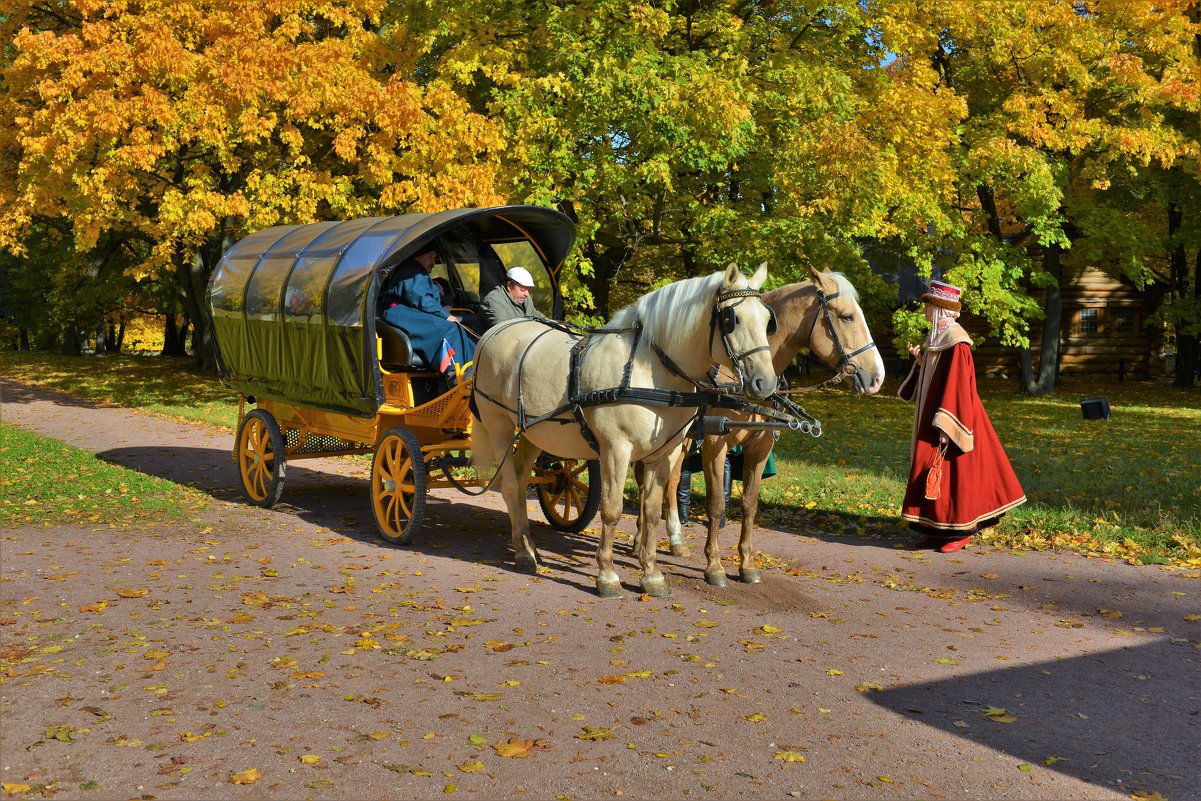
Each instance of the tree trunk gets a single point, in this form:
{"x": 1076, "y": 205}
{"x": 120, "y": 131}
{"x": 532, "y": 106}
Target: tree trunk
{"x": 24, "y": 338}
{"x": 192, "y": 273}
{"x": 1182, "y": 286}
{"x": 173, "y": 341}
{"x": 118, "y": 341}
{"x": 1049, "y": 350}
{"x": 72, "y": 344}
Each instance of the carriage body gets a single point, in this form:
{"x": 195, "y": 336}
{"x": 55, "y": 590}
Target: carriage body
{"x": 294, "y": 315}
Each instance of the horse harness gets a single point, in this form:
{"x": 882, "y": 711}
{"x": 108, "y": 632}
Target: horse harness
{"x": 723, "y": 320}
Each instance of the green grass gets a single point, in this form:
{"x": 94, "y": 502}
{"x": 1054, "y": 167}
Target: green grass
{"x": 167, "y": 385}
{"x": 1128, "y": 487}
{"x": 48, "y": 483}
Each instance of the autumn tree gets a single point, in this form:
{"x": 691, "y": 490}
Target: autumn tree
{"x": 685, "y": 135}
{"x": 1067, "y": 124}
{"x": 183, "y": 126}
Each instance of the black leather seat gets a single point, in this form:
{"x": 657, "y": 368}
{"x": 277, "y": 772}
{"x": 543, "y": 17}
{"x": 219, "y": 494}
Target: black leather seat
{"x": 397, "y": 350}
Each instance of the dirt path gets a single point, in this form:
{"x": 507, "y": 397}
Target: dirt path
{"x": 293, "y": 644}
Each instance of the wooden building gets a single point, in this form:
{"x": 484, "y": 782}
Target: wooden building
{"x": 1107, "y": 330}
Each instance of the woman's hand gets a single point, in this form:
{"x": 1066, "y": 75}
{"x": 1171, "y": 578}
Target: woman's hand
{"x": 915, "y": 352}
{"x": 943, "y": 439}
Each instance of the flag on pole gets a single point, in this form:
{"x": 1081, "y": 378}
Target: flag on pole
{"x": 446, "y": 357}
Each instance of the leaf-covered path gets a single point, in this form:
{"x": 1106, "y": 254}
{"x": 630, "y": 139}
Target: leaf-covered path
{"x": 289, "y": 654}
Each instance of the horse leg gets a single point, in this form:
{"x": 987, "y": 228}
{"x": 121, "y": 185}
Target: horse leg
{"x": 713, "y": 455}
{"x": 615, "y": 460}
{"x": 672, "y": 503}
{"x": 636, "y": 543}
{"x": 514, "y": 486}
{"x": 754, "y": 456}
{"x": 651, "y": 501}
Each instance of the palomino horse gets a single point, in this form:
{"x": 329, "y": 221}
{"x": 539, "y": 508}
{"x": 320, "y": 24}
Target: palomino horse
{"x": 822, "y": 314}
{"x": 625, "y": 393}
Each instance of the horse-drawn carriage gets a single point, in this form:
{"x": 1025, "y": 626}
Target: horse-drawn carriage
{"x": 294, "y": 313}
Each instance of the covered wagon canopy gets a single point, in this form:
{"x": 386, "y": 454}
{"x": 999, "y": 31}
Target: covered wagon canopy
{"x": 293, "y": 307}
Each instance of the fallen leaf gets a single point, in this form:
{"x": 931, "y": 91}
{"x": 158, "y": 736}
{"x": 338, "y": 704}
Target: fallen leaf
{"x": 13, "y": 788}
{"x": 833, "y": 672}
{"x": 999, "y": 714}
{"x": 310, "y": 759}
{"x": 499, "y": 645}
{"x": 133, "y": 593}
{"x": 757, "y": 717}
{"x": 615, "y": 679}
{"x": 595, "y": 733}
{"x": 471, "y": 766}
{"x": 248, "y": 776}
{"x": 789, "y": 756}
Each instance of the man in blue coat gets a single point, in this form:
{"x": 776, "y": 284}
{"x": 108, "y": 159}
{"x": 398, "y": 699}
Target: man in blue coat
{"x": 413, "y": 303}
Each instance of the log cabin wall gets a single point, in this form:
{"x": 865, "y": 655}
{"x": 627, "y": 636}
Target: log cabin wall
{"x": 1106, "y": 331}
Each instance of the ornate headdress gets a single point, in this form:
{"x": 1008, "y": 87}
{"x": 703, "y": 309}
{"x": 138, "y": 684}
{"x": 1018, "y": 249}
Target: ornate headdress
{"x": 944, "y": 296}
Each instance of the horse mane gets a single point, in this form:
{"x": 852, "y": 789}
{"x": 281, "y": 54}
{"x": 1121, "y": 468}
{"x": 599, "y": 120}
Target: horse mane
{"x": 674, "y": 312}
{"x": 844, "y": 285}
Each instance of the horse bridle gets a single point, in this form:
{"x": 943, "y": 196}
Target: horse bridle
{"x": 844, "y": 365}
{"x": 724, "y": 319}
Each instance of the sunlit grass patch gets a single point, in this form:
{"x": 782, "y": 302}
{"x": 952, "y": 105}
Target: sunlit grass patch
{"x": 46, "y": 482}
{"x": 173, "y": 386}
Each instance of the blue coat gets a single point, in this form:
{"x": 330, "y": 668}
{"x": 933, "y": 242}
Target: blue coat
{"x": 414, "y": 303}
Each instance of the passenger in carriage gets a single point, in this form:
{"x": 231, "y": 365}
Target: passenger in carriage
{"x": 510, "y": 301}
{"x": 413, "y": 302}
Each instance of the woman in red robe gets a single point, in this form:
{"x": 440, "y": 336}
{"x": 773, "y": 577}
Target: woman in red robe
{"x": 977, "y": 484}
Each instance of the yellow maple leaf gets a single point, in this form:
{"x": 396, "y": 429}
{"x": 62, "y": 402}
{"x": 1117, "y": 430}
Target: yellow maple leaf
{"x": 789, "y": 756}
{"x": 310, "y": 759}
{"x": 471, "y": 766}
{"x": 188, "y": 737}
{"x": 248, "y": 776}
{"x": 757, "y": 717}
{"x": 999, "y": 714}
{"x": 514, "y": 748}
{"x": 614, "y": 679}
{"x": 498, "y": 645}
{"x": 133, "y": 593}
{"x": 12, "y": 788}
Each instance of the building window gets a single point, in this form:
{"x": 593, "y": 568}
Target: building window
{"x": 1090, "y": 321}
{"x": 1124, "y": 322}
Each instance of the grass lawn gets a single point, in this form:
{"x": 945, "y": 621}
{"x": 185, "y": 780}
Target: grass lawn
{"x": 1128, "y": 487}
{"x": 47, "y": 483}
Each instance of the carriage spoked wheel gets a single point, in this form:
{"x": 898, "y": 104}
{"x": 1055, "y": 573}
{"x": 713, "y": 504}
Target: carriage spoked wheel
{"x": 571, "y": 499}
{"x": 398, "y": 486}
{"x": 261, "y": 458}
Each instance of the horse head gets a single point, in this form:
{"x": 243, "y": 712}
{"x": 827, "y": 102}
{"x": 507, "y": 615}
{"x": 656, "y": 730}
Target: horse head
{"x": 744, "y": 323}
{"x": 840, "y": 336}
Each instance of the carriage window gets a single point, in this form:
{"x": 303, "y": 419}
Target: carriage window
{"x": 1089, "y": 322}
{"x": 266, "y": 285}
{"x": 305, "y": 298}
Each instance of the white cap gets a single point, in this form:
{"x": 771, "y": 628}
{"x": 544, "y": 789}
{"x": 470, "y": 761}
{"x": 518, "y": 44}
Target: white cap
{"x": 520, "y": 275}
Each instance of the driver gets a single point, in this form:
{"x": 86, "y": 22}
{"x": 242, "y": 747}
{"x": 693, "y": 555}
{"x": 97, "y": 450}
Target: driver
{"x": 510, "y": 301}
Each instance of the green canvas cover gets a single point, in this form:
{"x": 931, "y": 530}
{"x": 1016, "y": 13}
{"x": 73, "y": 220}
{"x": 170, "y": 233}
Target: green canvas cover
{"x": 293, "y": 307}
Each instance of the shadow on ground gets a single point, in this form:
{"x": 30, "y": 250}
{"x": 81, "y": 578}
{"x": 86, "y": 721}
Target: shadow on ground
{"x": 1077, "y": 716}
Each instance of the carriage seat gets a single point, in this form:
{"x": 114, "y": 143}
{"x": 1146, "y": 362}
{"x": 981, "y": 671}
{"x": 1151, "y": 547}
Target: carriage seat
{"x": 396, "y": 349}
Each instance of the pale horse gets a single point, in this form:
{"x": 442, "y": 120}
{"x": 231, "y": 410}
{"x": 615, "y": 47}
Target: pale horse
{"x": 628, "y": 393}
{"x": 821, "y": 314}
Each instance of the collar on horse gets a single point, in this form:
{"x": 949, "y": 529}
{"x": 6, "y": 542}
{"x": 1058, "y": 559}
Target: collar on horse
{"x": 723, "y": 319}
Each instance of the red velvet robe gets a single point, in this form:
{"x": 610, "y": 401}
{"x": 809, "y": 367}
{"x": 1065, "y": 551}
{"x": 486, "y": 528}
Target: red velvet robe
{"x": 978, "y": 482}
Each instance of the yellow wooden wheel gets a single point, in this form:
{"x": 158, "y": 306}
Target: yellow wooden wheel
{"x": 398, "y": 486}
{"x": 569, "y": 501}
{"x": 261, "y": 458}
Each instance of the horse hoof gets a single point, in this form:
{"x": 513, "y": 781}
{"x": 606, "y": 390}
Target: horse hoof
{"x": 527, "y": 565}
{"x": 750, "y": 576}
{"x": 609, "y": 589}
{"x": 680, "y": 550}
{"x": 656, "y": 588}
{"x": 716, "y": 579}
